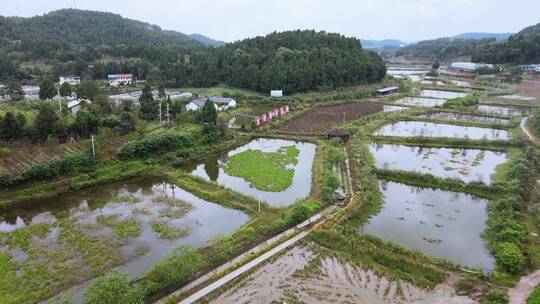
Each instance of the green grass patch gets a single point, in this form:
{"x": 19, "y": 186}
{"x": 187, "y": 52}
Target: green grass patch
{"x": 534, "y": 297}
{"x": 166, "y": 231}
{"x": 265, "y": 171}
{"x": 21, "y": 237}
{"x": 122, "y": 228}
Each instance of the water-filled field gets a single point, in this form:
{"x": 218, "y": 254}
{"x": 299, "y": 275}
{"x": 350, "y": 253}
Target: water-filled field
{"x": 442, "y": 94}
{"x": 468, "y": 165}
{"x": 131, "y": 225}
{"x": 453, "y": 116}
{"x": 428, "y": 129}
{"x": 505, "y": 111}
{"x": 420, "y": 102}
{"x": 300, "y": 186}
{"x": 441, "y": 223}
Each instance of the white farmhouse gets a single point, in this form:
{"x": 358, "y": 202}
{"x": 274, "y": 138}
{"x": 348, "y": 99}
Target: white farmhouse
{"x": 71, "y": 79}
{"x": 220, "y": 103}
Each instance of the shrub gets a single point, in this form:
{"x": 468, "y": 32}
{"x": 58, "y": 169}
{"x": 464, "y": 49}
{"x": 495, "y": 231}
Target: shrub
{"x": 69, "y": 163}
{"x": 155, "y": 144}
{"x": 469, "y": 100}
{"x": 495, "y": 297}
{"x": 5, "y": 181}
{"x": 113, "y": 289}
{"x": 510, "y": 258}
{"x": 179, "y": 267}
{"x": 300, "y": 213}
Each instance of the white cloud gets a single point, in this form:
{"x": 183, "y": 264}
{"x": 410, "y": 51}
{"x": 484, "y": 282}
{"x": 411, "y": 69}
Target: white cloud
{"x": 376, "y": 19}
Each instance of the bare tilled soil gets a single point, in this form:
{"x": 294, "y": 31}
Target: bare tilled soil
{"x": 322, "y": 119}
{"x": 284, "y": 281}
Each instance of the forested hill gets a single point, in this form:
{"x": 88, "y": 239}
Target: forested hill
{"x": 298, "y": 61}
{"x": 523, "y": 47}
{"x": 442, "y": 48}
{"x": 67, "y": 29}
{"x": 94, "y": 44}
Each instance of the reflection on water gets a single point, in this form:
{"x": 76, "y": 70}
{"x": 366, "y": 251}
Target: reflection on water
{"x": 468, "y": 165}
{"x": 441, "y": 223}
{"x": 505, "y": 111}
{"x": 428, "y": 129}
{"x": 421, "y": 102}
{"x": 442, "y": 94}
{"x": 465, "y": 117}
{"x": 142, "y": 200}
{"x": 300, "y": 188}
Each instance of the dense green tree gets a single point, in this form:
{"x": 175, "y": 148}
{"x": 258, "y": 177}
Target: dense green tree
{"x": 436, "y": 65}
{"x": 113, "y": 288}
{"x": 10, "y": 127}
{"x": 86, "y": 122}
{"x": 208, "y": 113}
{"x": 161, "y": 91}
{"x": 47, "y": 90}
{"x": 88, "y": 89}
{"x": 149, "y": 109}
{"x": 45, "y": 122}
{"x": 65, "y": 89}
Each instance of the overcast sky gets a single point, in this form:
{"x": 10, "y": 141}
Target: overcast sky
{"x": 230, "y": 20}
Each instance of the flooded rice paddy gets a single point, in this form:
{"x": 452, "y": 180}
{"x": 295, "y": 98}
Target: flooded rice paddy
{"x": 441, "y": 223}
{"x": 504, "y": 111}
{"x": 468, "y": 165}
{"x": 212, "y": 169}
{"x": 391, "y": 108}
{"x": 453, "y": 116}
{"x": 518, "y": 97}
{"x": 420, "y": 102}
{"x": 428, "y": 129}
{"x": 442, "y": 94}
{"x": 130, "y": 225}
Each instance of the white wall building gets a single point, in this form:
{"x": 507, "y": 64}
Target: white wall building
{"x": 117, "y": 80}
{"x": 276, "y": 93}
{"x": 71, "y": 79}
{"x": 220, "y": 103}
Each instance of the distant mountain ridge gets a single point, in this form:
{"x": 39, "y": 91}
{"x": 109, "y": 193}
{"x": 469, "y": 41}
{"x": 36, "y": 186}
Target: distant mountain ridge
{"x": 372, "y": 43}
{"x": 206, "y": 40}
{"x": 480, "y": 36}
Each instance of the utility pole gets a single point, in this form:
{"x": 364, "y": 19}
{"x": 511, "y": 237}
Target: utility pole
{"x": 60, "y": 104}
{"x": 259, "y": 212}
{"x": 168, "y": 114}
{"x": 160, "y": 121}
{"x": 343, "y": 117}
{"x": 93, "y": 147}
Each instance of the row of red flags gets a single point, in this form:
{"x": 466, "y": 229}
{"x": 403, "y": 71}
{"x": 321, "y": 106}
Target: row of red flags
{"x": 266, "y": 117}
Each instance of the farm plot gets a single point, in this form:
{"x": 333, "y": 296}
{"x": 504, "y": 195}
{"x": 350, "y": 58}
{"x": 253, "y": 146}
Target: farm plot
{"x": 321, "y": 119}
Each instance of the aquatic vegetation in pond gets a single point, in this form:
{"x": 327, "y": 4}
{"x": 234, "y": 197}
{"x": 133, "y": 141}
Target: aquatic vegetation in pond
{"x": 469, "y": 165}
{"x": 214, "y": 169}
{"x": 441, "y": 223}
{"x": 428, "y": 129}
{"x": 57, "y": 243}
{"x": 267, "y": 171}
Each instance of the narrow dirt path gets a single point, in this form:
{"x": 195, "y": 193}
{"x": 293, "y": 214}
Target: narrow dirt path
{"x": 520, "y": 293}
{"x": 525, "y": 130}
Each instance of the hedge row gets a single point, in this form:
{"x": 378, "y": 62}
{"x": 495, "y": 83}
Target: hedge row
{"x": 153, "y": 144}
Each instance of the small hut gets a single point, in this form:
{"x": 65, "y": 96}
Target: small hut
{"x": 342, "y": 134}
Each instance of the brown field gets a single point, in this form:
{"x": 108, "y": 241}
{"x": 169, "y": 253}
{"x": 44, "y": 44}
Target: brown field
{"x": 322, "y": 119}
{"x": 530, "y": 87}
{"x": 24, "y": 154}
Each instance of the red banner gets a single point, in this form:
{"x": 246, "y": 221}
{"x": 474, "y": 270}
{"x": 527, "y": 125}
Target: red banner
{"x": 266, "y": 117}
